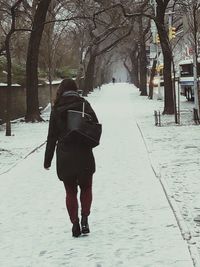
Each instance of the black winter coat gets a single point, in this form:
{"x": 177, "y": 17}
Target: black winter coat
{"x": 72, "y": 158}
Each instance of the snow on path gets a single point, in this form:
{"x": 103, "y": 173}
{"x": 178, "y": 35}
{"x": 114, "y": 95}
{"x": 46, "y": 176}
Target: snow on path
{"x": 131, "y": 221}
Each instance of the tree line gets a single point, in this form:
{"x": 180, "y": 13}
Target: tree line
{"x": 88, "y": 36}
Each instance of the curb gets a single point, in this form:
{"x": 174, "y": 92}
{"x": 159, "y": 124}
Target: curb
{"x": 185, "y": 232}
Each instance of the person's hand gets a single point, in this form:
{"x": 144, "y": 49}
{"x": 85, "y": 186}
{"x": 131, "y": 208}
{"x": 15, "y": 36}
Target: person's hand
{"x": 47, "y": 166}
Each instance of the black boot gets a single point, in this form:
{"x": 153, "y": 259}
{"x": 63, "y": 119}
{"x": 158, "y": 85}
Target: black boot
{"x": 76, "y": 230}
{"x": 84, "y": 225}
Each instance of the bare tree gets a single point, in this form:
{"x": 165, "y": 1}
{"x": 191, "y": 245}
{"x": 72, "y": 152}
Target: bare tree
{"x": 108, "y": 30}
{"x": 142, "y": 55}
{"x": 33, "y": 113}
{"x": 152, "y": 75}
{"x": 144, "y": 8}
{"x": 13, "y": 12}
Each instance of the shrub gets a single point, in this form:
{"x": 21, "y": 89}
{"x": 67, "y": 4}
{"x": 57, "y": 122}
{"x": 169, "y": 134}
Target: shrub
{"x": 66, "y": 72}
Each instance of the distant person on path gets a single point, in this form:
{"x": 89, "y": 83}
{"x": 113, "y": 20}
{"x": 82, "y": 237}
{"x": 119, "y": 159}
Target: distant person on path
{"x": 75, "y": 161}
{"x": 113, "y": 80}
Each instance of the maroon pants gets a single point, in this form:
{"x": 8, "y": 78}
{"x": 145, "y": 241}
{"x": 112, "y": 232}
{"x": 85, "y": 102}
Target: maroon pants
{"x": 71, "y": 187}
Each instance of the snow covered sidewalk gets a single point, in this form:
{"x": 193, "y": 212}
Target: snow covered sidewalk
{"x": 131, "y": 221}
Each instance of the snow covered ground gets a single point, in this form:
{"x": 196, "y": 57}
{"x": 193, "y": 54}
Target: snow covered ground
{"x": 132, "y": 223}
{"x": 174, "y": 151}
{"x": 25, "y": 138}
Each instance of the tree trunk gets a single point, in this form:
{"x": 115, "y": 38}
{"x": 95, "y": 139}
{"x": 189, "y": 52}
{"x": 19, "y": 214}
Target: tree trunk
{"x": 167, "y": 57}
{"x": 135, "y": 70}
{"x": 97, "y": 76}
{"x": 9, "y": 85}
{"x": 128, "y": 70}
{"x": 9, "y": 66}
{"x": 143, "y": 71}
{"x": 89, "y": 75}
{"x": 153, "y": 72}
{"x": 103, "y": 79}
{"x": 143, "y": 62}
{"x": 33, "y": 113}
{"x": 134, "y": 77}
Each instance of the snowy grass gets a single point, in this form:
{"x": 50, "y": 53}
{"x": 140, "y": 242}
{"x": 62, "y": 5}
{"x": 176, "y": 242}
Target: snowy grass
{"x": 175, "y": 152}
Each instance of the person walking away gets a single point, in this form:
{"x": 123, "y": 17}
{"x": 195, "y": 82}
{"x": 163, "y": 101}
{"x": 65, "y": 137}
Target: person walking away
{"x": 75, "y": 161}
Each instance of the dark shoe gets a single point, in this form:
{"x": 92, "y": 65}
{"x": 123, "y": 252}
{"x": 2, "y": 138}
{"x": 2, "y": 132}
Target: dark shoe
{"x": 76, "y": 230}
{"x": 84, "y": 225}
